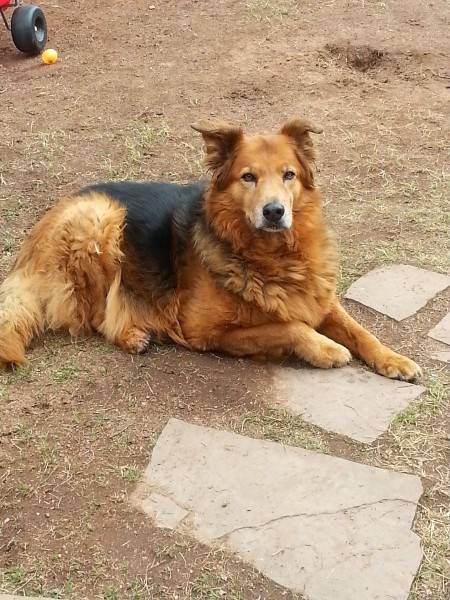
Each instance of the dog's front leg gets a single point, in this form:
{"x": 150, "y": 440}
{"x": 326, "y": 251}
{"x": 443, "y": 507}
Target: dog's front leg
{"x": 341, "y": 327}
{"x": 278, "y": 339}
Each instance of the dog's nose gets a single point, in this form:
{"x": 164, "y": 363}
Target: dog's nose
{"x": 273, "y": 211}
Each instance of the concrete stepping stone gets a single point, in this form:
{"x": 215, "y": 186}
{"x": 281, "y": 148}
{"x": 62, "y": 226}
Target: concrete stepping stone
{"x": 322, "y": 526}
{"x": 398, "y": 291}
{"x": 351, "y": 401}
{"x": 441, "y": 331}
{"x": 442, "y": 356}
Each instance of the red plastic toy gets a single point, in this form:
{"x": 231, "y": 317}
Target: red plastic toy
{"x": 28, "y": 26}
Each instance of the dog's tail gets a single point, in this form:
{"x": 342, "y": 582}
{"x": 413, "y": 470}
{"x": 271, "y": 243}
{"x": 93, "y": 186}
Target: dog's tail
{"x": 21, "y": 315}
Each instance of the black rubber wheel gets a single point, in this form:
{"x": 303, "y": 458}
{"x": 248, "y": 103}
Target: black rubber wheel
{"x": 29, "y": 29}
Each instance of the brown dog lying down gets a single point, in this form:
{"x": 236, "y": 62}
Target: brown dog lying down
{"x": 243, "y": 264}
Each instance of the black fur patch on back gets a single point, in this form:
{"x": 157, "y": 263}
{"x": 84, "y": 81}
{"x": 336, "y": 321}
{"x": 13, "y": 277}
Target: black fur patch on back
{"x": 153, "y": 211}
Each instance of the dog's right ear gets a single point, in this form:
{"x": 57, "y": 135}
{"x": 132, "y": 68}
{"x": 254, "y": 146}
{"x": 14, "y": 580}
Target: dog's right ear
{"x": 221, "y": 140}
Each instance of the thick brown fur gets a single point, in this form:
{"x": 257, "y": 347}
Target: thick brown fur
{"x": 241, "y": 284}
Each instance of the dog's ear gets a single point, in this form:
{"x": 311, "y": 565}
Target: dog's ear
{"x": 221, "y": 140}
{"x": 298, "y": 130}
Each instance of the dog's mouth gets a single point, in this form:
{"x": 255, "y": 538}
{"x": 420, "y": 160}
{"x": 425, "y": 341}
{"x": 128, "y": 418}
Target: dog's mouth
{"x": 272, "y": 227}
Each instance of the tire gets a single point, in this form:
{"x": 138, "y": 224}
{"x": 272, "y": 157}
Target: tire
{"x": 29, "y": 29}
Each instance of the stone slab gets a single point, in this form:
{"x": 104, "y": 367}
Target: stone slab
{"x": 441, "y": 331}
{"x": 443, "y": 356}
{"x": 398, "y": 291}
{"x": 351, "y": 401}
{"x": 322, "y": 526}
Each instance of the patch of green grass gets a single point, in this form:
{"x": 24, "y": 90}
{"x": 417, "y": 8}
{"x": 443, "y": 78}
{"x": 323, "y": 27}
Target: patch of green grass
{"x": 66, "y": 372}
{"x": 207, "y": 586}
{"x": 138, "y": 589}
{"x": 7, "y": 241}
{"x": 101, "y": 480}
{"x": 14, "y": 575}
{"x": 131, "y": 473}
{"x": 49, "y": 453}
{"x": 44, "y": 592}
{"x": 113, "y": 173}
{"x": 78, "y": 418}
{"x": 5, "y": 396}
{"x": 429, "y": 404}
{"x": 17, "y": 578}
{"x": 281, "y": 426}
{"x": 112, "y": 593}
{"x": 271, "y": 11}
{"x": 23, "y": 432}
{"x": 99, "y": 419}
{"x": 19, "y": 374}
{"x": 24, "y": 490}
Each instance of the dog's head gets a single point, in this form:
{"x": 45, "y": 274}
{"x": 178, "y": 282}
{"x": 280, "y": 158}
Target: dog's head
{"x": 264, "y": 176}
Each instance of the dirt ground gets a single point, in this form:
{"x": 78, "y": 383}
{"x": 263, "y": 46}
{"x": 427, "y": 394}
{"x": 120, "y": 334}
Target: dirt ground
{"x": 77, "y": 426}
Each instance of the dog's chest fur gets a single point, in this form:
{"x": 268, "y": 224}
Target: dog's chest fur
{"x": 287, "y": 285}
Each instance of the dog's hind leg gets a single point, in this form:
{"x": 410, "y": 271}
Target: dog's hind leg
{"x": 62, "y": 273}
{"x": 342, "y": 328}
{"x": 126, "y": 321}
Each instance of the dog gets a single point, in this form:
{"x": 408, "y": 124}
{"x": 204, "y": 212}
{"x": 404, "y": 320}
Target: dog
{"x": 242, "y": 263}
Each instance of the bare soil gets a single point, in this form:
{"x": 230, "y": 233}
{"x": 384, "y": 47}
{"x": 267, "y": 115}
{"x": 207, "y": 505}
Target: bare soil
{"x": 78, "y": 425}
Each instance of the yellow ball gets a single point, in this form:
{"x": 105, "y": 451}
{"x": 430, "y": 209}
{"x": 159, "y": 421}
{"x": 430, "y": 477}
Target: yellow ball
{"x": 49, "y": 57}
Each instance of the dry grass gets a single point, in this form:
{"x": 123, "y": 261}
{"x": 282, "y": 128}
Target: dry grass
{"x": 280, "y": 426}
{"x": 387, "y": 194}
{"x": 418, "y": 444}
{"x": 273, "y": 12}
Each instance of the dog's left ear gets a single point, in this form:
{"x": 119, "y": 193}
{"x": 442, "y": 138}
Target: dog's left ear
{"x": 298, "y": 130}
{"x": 221, "y": 140}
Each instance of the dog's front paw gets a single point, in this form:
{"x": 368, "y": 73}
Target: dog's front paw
{"x": 135, "y": 341}
{"x": 396, "y": 366}
{"x": 330, "y": 355}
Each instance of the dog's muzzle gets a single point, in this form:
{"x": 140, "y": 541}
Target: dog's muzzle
{"x": 274, "y": 216}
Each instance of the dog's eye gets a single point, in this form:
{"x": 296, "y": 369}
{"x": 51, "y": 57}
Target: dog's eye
{"x": 288, "y": 175}
{"x": 249, "y": 177}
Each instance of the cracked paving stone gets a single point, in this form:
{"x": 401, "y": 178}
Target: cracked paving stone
{"x": 441, "y": 331}
{"x": 350, "y": 401}
{"x": 398, "y": 291}
{"x": 322, "y": 526}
